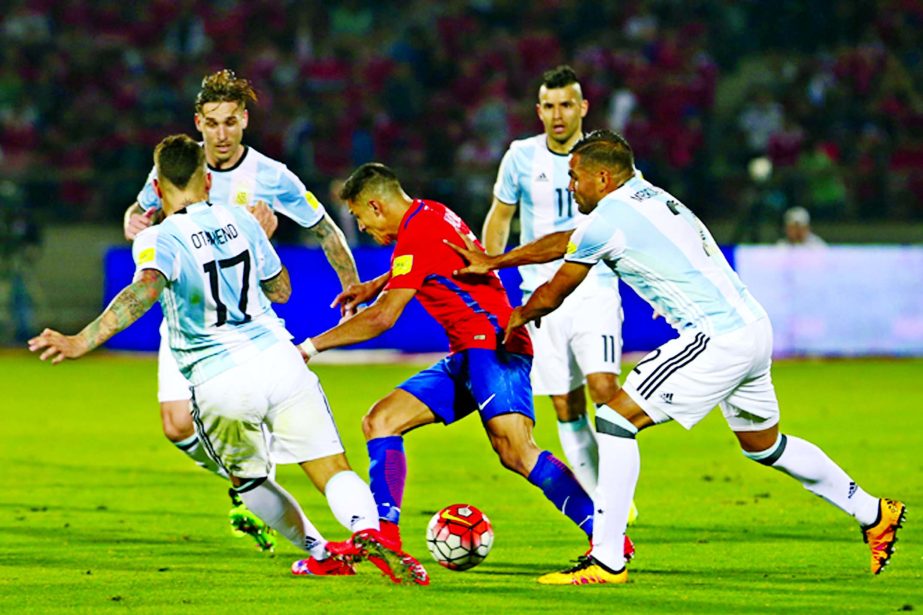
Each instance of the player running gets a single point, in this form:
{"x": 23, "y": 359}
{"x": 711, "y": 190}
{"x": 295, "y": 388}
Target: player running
{"x": 215, "y": 273}
{"x": 721, "y": 357}
{"x": 481, "y": 374}
{"x": 570, "y": 350}
{"x": 240, "y": 176}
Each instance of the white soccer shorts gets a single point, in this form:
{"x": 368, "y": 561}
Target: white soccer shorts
{"x": 171, "y": 384}
{"x": 275, "y": 389}
{"x": 688, "y": 376}
{"x": 583, "y": 336}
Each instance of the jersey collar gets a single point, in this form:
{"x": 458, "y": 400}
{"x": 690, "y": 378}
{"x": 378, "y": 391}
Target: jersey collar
{"x": 229, "y": 169}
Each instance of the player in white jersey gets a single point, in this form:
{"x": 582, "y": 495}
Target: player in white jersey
{"x": 215, "y": 272}
{"x": 570, "y": 351}
{"x": 241, "y": 176}
{"x": 721, "y": 357}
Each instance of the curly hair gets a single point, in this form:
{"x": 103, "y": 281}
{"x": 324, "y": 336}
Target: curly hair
{"x": 224, "y": 86}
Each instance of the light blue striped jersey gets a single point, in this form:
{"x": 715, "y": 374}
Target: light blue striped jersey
{"x": 255, "y": 177}
{"x": 213, "y": 258}
{"x": 536, "y": 178}
{"x": 665, "y": 253}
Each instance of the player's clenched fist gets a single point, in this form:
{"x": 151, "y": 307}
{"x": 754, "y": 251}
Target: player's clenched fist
{"x": 265, "y": 216}
{"x": 137, "y": 222}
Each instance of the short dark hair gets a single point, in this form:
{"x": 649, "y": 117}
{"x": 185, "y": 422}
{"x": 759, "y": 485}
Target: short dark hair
{"x": 224, "y": 86}
{"x": 177, "y": 159}
{"x": 605, "y": 148}
{"x": 370, "y": 174}
{"x": 559, "y": 77}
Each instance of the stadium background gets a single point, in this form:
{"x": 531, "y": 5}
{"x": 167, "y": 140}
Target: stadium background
{"x": 831, "y": 96}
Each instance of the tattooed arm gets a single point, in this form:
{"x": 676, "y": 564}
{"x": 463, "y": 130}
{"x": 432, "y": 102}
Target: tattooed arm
{"x": 337, "y": 251}
{"x": 127, "y": 307}
{"x": 278, "y": 289}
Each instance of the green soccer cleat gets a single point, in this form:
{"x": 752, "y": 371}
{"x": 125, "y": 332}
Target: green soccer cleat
{"x": 245, "y": 523}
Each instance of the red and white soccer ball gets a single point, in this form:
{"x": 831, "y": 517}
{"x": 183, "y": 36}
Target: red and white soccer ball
{"x": 459, "y": 536}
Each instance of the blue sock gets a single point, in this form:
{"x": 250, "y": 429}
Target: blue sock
{"x": 387, "y": 473}
{"x": 560, "y": 486}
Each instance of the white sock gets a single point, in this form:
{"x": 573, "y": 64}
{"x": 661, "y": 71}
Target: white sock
{"x": 809, "y": 465}
{"x": 351, "y": 501}
{"x": 195, "y": 450}
{"x": 619, "y": 467}
{"x": 279, "y": 510}
{"x": 579, "y": 444}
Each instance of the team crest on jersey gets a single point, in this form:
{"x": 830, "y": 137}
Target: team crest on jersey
{"x": 242, "y": 197}
{"x": 402, "y": 265}
{"x": 146, "y": 256}
{"x": 312, "y": 200}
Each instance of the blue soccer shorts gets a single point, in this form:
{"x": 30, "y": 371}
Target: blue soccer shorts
{"x": 484, "y": 380}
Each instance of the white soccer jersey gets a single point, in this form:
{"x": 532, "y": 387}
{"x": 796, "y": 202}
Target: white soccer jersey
{"x": 214, "y": 258}
{"x": 665, "y": 253}
{"x": 536, "y": 178}
{"x": 255, "y": 177}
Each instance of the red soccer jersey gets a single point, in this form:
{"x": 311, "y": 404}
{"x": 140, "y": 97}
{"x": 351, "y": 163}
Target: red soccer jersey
{"x": 473, "y": 311}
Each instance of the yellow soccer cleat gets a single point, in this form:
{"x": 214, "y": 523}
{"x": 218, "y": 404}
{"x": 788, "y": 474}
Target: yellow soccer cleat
{"x": 881, "y": 535}
{"x": 632, "y": 513}
{"x": 588, "y": 571}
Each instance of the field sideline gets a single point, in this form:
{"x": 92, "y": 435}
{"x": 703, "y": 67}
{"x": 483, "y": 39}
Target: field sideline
{"x": 99, "y": 513}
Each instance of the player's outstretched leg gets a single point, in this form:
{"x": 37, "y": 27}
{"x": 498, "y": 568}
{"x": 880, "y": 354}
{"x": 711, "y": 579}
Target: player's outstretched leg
{"x": 511, "y": 437}
{"x": 820, "y": 475}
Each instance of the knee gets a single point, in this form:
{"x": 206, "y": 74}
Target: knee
{"x": 603, "y": 387}
{"x": 512, "y": 457}
{"x": 376, "y": 423}
{"x": 176, "y": 421}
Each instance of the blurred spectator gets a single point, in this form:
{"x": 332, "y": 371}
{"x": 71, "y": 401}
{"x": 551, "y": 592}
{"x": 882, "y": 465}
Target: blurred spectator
{"x": 797, "y": 226}
{"x": 85, "y": 86}
{"x": 20, "y": 240}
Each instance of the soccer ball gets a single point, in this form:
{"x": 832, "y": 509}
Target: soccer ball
{"x": 459, "y": 536}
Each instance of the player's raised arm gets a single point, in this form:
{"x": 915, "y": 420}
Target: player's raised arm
{"x": 127, "y": 307}
{"x": 496, "y": 231}
{"x": 369, "y": 323}
{"x": 543, "y": 250}
{"x": 333, "y": 242}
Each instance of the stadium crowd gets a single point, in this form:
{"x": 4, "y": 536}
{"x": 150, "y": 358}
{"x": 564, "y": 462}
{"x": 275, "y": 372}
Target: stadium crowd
{"x": 437, "y": 90}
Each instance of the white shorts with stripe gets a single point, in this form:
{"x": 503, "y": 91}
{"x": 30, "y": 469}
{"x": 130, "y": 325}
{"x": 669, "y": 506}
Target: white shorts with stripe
{"x": 171, "y": 384}
{"x": 688, "y": 376}
{"x": 583, "y": 336}
{"x": 274, "y": 391}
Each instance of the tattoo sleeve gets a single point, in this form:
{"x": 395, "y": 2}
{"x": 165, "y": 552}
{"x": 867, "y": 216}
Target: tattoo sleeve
{"x": 336, "y": 250}
{"x": 279, "y": 288}
{"x": 127, "y": 307}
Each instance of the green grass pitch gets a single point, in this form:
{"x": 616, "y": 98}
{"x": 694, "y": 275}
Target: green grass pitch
{"x": 98, "y": 513}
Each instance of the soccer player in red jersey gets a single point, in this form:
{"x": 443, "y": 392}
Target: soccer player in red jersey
{"x": 480, "y": 374}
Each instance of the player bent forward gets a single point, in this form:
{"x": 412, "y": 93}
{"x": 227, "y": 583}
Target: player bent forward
{"x": 215, "y": 273}
{"x": 481, "y": 373}
{"x": 721, "y": 357}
